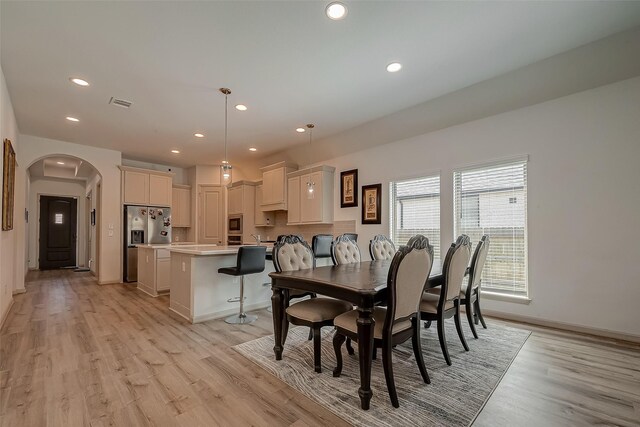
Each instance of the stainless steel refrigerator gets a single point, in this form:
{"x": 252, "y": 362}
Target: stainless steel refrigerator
{"x": 143, "y": 224}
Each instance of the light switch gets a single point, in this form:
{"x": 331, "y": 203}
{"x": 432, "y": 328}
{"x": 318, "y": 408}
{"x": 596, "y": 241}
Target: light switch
{"x": 110, "y": 233}
{"x": 110, "y": 226}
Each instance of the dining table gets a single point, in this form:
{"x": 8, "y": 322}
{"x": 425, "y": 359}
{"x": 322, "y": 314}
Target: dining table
{"x": 364, "y": 284}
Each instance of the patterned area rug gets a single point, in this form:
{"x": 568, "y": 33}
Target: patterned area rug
{"x": 455, "y": 396}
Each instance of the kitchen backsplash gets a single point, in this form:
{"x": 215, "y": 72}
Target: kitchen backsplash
{"x": 307, "y": 231}
{"x": 179, "y": 234}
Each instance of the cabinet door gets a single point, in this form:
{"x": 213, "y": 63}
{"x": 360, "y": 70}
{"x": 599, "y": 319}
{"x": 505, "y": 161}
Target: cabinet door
{"x": 267, "y": 188}
{"x": 210, "y": 226}
{"x": 293, "y": 202}
{"x": 163, "y": 274}
{"x": 160, "y": 190}
{"x": 136, "y": 188}
{"x": 259, "y": 216}
{"x": 185, "y": 207}
{"x": 278, "y": 188}
{"x": 235, "y": 200}
{"x": 176, "y": 208}
{"x": 311, "y": 207}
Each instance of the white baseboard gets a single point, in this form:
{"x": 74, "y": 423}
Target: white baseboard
{"x": 19, "y": 291}
{"x": 229, "y": 312}
{"x": 6, "y": 313}
{"x": 110, "y": 282}
{"x": 564, "y": 326}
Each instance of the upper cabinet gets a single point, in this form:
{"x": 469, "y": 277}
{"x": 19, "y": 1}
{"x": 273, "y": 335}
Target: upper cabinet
{"x": 274, "y": 186}
{"x": 146, "y": 187}
{"x": 263, "y": 219}
{"x": 181, "y": 206}
{"x": 241, "y": 198}
{"x": 311, "y": 207}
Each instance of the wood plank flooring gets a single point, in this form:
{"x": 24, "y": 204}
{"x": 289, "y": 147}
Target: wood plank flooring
{"x": 75, "y": 353}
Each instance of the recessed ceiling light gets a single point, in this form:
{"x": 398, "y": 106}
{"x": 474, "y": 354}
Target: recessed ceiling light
{"x": 60, "y": 163}
{"x": 198, "y": 135}
{"x": 336, "y": 11}
{"x": 241, "y": 107}
{"x": 72, "y": 119}
{"x": 78, "y": 81}
{"x": 394, "y": 67}
{"x": 175, "y": 151}
{"x": 253, "y": 149}
{"x": 300, "y": 130}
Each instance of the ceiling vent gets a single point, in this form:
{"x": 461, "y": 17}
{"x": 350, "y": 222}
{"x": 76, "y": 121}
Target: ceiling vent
{"x": 120, "y": 102}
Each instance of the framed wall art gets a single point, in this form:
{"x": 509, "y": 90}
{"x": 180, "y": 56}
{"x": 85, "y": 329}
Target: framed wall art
{"x": 8, "y": 185}
{"x": 349, "y": 188}
{"x": 371, "y": 204}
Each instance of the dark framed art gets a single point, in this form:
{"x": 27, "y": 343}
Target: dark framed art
{"x": 349, "y": 188}
{"x": 371, "y": 204}
{"x": 8, "y": 185}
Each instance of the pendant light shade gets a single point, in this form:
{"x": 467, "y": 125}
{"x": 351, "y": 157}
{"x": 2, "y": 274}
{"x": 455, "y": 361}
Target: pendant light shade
{"x": 225, "y": 168}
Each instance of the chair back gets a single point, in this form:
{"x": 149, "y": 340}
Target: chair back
{"x": 454, "y": 269}
{"x": 351, "y": 236}
{"x": 381, "y": 247}
{"x": 251, "y": 259}
{"x": 477, "y": 263}
{"x": 407, "y": 278}
{"x": 344, "y": 250}
{"x": 292, "y": 253}
{"x": 321, "y": 245}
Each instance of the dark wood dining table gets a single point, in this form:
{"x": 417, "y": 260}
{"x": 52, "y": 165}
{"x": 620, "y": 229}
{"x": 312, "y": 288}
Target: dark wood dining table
{"x": 363, "y": 284}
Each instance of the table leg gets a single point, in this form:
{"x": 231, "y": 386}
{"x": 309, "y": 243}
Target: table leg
{"x": 277, "y": 302}
{"x": 366, "y": 324}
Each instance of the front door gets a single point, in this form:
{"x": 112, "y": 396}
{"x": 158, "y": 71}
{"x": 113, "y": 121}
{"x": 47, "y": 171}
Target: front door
{"x": 58, "y": 237}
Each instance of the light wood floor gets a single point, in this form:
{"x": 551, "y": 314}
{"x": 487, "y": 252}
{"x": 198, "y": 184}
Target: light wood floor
{"x": 75, "y": 353}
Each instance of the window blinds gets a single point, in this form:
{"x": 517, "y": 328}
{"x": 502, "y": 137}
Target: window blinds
{"x": 493, "y": 200}
{"x": 415, "y": 209}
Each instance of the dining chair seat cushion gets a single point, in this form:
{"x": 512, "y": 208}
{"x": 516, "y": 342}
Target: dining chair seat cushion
{"x": 294, "y": 257}
{"x": 318, "y": 309}
{"x": 429, "y": 303}
{"x": 349, "y": 320}
{"x": 347, "y": 252}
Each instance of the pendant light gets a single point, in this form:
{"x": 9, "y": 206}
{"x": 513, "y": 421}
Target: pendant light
{"x": 311, "y": 186}
{"x": 226, "y": 166}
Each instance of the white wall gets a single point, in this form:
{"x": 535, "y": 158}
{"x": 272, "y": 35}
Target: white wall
{"x": 180, "y": 176}
{"x": 583, "y": 200}
{"x": 55, "y": 187}
{"x": 9, "y": 280}
{"x": 106, "y": 163}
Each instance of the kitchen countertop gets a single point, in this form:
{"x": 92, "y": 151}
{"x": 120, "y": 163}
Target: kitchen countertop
{"x": 165, "y": 245}
{"x": 209, "y": 249}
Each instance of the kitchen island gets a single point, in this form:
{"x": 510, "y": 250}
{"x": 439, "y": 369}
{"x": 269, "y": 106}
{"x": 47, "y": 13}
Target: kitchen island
{"x": 200, "y": 293}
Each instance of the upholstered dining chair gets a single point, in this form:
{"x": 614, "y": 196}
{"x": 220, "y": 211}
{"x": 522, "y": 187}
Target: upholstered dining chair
{"x": 321, "y": 246}
{"x": 470, "y": 292}
{"x": 381, "y": 248}
{"x": 345, "y": 250}
{"x": 438, "y": 307}
{"x": 291, "y": 253}
{"x": 399, "y": 321}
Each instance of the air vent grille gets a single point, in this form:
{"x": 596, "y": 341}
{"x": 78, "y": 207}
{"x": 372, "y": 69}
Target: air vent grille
{"x": 120, "y": 102}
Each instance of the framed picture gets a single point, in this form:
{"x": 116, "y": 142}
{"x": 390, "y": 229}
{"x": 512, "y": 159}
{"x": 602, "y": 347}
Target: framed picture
{"x": 349, "y": 188}
{"x": 371, "y": 204}
{"x": 8, "y": 185}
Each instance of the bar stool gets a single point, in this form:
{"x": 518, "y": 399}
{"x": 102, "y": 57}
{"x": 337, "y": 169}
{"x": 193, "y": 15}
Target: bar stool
{"x": 250, "y": 261}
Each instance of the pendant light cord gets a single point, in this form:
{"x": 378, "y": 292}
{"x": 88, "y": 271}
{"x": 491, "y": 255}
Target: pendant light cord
{"x": 226, "y": 112}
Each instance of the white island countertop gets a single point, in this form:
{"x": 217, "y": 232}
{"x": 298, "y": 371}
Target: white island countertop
{"x": 207, "y": 250}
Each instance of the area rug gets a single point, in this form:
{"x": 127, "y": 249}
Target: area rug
{"x": 455, "y": 396}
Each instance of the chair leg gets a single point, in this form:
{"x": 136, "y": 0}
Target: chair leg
{"x": 374, "y": 355}
{"x": 443, "y": 341}
{"x": 350, "y": 347}
{"x": 479, "y": 312}
{"x": 469, "y": 310}
{"x": 285, "y": 329}
{"x": 317, "y": 350}
{"x": 338, "y": 339}
{"x": 456, "y": 317}
{"x": 310, "y": 334}
{"x": 427, "y": 324}
{"x": 388, "y": 374}
{"x": 417, "y": 351}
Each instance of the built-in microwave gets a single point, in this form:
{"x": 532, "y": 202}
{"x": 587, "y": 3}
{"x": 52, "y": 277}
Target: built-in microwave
{"x": 234, "y": 224}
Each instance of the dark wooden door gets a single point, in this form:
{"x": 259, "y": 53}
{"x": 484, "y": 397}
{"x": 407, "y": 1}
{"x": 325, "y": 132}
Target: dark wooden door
{"x": 58, "y": 236}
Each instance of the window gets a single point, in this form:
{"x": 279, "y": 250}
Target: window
{"x": 493, "y": 200}
{"x": 57, "y": 218}
{"x": 415, "y": 209}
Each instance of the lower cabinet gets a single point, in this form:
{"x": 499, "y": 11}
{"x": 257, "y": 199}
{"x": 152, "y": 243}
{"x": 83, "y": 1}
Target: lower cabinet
{"x": 154, "y": 270}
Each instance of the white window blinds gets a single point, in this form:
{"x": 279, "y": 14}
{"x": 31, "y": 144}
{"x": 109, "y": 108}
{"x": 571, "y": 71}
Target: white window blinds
{"x": 492, "y": 200}
{"x": 415, "y": 209}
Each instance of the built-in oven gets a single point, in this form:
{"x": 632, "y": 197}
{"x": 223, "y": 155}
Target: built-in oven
{"x": 234, "y": 240}
{"x": 234, "y": 225}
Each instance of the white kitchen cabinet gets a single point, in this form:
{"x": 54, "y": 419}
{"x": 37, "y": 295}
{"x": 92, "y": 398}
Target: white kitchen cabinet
{"x": 211, "y": 214}
{"x": 146, "y": 187}
{"x": 274, "y": 186}
{"x": 262, "y": 219}
{"x": 311, "y": 210}
{"x": 241, "y": 198}
{"x": 181, "y": 206}
{"x": 163, "y": 274}
{"x": 154, "y": 270}
{"x": 235, "y": 200}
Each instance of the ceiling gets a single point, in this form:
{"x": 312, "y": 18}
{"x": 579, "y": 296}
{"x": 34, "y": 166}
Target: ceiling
{"x": 286, "y": 61}
{"x": 64, "y": 167}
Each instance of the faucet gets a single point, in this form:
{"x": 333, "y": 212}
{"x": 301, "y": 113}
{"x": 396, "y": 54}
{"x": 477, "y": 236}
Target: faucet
{"x": 257, "y": 237}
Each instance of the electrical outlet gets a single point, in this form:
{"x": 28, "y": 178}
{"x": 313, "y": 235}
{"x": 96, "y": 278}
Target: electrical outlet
{"x": 184, "y": 267}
